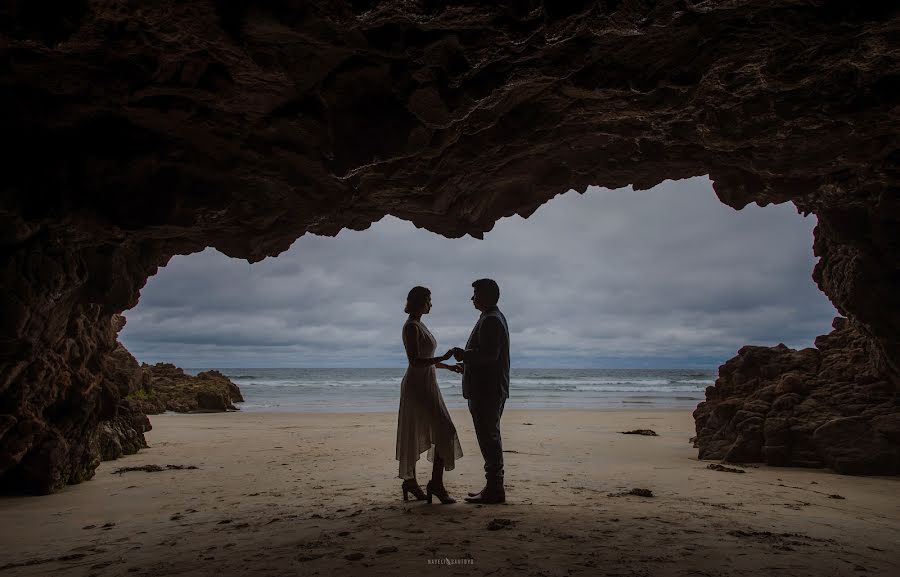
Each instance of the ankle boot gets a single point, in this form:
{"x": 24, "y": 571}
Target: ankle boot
{"x": 433, "y": 488}
{"x": 411, "y": 486}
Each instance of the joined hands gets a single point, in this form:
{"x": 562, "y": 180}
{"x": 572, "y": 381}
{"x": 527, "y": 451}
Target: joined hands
{"x": 455, "y": 368}
{"x": 454, "y": 352}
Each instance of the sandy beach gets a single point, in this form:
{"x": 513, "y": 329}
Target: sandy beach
{"x": 317, "y": 494}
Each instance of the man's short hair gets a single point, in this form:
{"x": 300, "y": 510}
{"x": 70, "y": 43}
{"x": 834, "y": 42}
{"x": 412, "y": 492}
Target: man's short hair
{"x": 488, "y": 288}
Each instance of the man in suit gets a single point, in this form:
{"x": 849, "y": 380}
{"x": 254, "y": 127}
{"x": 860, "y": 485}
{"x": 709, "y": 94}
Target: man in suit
{"x": 485, "y": 385}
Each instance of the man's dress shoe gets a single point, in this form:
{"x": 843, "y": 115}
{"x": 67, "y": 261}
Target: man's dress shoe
{"x": 488, "y": 496}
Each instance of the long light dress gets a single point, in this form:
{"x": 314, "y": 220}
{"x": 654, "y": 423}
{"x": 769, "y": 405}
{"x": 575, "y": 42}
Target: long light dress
{"x": 424, "y": 422}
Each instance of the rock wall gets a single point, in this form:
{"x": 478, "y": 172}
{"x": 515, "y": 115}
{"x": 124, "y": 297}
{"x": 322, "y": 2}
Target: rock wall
{"x": 123, "y": 434}
{"x": 828, "y": 406}
{"x": 143, "y": 131}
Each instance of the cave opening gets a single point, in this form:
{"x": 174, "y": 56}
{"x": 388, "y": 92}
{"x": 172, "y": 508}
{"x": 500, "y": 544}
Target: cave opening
{"x": 608, "y": 293}
{"x": 138, "y": 131}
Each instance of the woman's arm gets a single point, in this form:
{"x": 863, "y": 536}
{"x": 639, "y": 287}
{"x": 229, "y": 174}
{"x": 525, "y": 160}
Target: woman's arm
{"x": 457, "y": 368}
{"x": 411, "y": 342}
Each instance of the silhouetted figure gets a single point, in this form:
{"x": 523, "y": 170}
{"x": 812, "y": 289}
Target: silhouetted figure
{"x": 485, "y": 384}
{"x": 424, "y": 422}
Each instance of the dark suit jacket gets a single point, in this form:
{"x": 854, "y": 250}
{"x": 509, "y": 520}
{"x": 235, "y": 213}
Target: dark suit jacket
{"x": 486, "y": 359}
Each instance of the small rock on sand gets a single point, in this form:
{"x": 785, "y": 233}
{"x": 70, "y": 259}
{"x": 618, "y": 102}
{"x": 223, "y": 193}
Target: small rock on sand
{"x": 644, "y": 432}
{"x": 353, "y": 556}
{"x": 390, "y": 549}
{"x": 153, "y": 468}
{"x": 497, "y": 524}
{"x": 641, "y": 492}
{"x": 724, "y": 469}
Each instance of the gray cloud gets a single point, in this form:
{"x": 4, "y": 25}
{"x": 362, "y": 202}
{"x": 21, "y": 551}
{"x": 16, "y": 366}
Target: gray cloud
{"x": 664, "y": 277}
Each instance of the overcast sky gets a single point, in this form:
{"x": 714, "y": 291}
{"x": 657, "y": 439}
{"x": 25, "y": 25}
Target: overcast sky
{"x": 668, "y": 277}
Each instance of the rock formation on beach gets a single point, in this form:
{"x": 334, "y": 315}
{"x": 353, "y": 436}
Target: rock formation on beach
{"x": 827, "y": 406}
{"x": 168, "y": 388}
{"x": 138, "y": 131}
{"x": 153, "y": 389}
{"x": 119, "y": 428}
{"x": 124, "y": 433}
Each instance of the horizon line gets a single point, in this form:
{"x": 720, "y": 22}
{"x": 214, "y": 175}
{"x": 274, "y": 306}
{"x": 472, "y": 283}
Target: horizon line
{"x": 688, "y": 368}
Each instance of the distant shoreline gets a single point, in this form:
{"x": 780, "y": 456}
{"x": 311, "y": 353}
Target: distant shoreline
{"x": 378, "y": 390}
{"x": 508, "y": 411}
{"x": 699, "y": 369}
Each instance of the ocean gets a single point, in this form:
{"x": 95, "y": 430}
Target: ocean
{"x": 363, "y": 390}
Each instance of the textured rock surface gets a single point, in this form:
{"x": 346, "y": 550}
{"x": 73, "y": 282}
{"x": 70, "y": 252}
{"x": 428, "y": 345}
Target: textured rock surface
{"x": 144, "y": 130}
{"x": 168, "y": 388}
{"x": 152, "y": 389}
{"x": 818, "y": 407}
{"x": 124, "y": 433}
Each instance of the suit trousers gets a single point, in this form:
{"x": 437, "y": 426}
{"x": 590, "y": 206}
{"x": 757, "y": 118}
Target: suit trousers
{"x": 486, "y": 413}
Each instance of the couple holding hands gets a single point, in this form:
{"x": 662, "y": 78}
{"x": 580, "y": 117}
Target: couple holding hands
{"x": 424, "y": 422}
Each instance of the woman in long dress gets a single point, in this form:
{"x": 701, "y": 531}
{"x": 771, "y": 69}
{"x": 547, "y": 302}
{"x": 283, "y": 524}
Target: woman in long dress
{"x": 424, "y": 422}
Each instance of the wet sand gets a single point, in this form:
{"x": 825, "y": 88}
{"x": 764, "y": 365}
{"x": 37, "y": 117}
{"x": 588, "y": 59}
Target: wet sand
{"x": 317, "y": 494}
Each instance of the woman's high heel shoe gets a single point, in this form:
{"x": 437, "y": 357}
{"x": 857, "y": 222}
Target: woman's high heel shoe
{"x": 440, "y": 492}
{"x": 410, "y": 486}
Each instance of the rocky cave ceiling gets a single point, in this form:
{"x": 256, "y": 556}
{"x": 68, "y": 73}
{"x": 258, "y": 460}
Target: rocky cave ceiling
{"x": 139, "y": 130}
